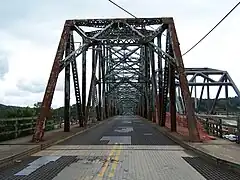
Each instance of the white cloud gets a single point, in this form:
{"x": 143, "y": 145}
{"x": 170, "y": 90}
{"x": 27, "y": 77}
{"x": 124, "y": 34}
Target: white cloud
{"x": 4, "y": 66}
{"x": 31, "y": 30}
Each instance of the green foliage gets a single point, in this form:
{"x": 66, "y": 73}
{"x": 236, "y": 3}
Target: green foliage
{"x": 223, "y": 104}
{"x": 14, "y": 111}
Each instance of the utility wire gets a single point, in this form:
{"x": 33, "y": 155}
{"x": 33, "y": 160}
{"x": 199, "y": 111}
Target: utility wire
{"x": 212, "y": 28}
{"x": 202, "y": 37}
{"x": 125, "y": 11}
{"x": 122, "y": 9}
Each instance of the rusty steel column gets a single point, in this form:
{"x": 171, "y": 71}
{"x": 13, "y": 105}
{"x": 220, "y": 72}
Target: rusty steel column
{"x": 106, "y": 66}
{"x": 76, "y": 86}
{"x": 172, "y": 92}
{"x": 92, "y": 83}
{"x": 146, "y": 73}
{"x": 84, "y": 81}
{"x": 165, "y": 89}
{"x": 148, "y": 85}
{"x": 190, "y": 113}
{"x": 48, "y": 96}
{"x": 143, "y": 103}
{"x": 160, "y": 79}
{"x": 100, "y": 83}
{"x": 172, "y": 103}
{"x": 103, "y": 81}
{"x": 154, "y": 86}
{"x": 67, "y": 91}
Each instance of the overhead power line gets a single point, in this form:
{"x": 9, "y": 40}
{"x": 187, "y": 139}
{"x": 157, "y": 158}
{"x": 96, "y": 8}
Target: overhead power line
{"x": 212, "y": 28}
{"x": 120, "y": 7}
{"x": 201, "y": 38}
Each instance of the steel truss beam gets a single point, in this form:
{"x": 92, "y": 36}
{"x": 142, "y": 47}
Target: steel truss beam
{"x": 123, "y": 62}
{"x": 206, "y": 78}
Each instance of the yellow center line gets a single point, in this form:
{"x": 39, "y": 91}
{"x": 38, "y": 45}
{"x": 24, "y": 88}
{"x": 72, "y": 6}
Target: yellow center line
{"x": 106, "y": 163}
{"x": 116, "y": 162}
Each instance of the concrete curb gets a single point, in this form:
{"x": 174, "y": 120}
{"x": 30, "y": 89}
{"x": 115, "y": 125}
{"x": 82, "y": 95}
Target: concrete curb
{"x": 202, "y": 154}
{"x": 11, "y": 159}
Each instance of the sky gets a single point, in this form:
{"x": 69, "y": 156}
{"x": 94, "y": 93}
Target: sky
{"x": 30, "y": 32}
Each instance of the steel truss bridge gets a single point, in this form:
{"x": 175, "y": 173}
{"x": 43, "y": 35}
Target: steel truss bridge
{"x": 137, "y": 68}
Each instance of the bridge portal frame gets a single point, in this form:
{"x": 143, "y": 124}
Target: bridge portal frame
{"x": 111, "y": 36}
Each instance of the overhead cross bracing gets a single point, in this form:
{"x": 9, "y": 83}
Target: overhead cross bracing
{"x": 125, "y": 56}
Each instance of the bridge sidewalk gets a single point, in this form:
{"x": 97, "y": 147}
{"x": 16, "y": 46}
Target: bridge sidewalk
{"x": 15, "y": 149}
{"x": 219, "y": 151}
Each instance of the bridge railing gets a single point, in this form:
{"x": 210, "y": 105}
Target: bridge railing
{"x": 219, "y": 125}
{"x": 19, "y": 127}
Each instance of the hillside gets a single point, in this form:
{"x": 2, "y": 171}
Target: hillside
{"x": 15, "y": 111}
{"x": 232, "y": 104}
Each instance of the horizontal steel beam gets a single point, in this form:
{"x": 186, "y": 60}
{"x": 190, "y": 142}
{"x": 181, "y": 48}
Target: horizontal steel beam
{"x": 139, "y": 22}
{"x": 205, "y": 72}
{"x": 205, "y": 84}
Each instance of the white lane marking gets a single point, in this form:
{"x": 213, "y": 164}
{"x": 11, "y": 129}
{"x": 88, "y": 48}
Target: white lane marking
{"x": 127, "y": 122}
{"x": 147, "y": 134}
{"x": 137, "y": 121}
{"x": 33, "y": 166}
{"x": 124, "y": 129}
{"x": 117, "y": 139}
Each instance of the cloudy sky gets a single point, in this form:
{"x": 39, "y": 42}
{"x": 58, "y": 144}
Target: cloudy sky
{"x": 30, "y": 31}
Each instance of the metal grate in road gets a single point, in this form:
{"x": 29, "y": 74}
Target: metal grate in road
{"x": 47, "y": 172}
{"x": 209, "y": 171}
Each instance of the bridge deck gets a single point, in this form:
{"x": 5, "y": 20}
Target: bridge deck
{"x": 123, "y": 148}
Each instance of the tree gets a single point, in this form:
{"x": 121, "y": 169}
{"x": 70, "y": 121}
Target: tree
{"x": 37, "y": 107}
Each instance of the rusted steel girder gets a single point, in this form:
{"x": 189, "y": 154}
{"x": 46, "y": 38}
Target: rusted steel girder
{"x": 47, "y": 99}
{"x": 190, "y": 112}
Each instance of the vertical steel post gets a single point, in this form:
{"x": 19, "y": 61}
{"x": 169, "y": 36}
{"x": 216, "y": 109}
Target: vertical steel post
{"x": 106, "y": 67}
{"x": 147, "y": 108}
{"x": 93, "y": 82}
{"x": 172, "y": 103}
{"x": 226, "y": 96}
{"x": 67, "y": 91}
{"x": 143, "y": 103}
{"x": 149, "y": 85}
{"x": 79, "y": 115}
{"x": 165, "y": 88}
{"x": 154, "y": 85}
{"x": 100, "y": 83}
{"x": 208, "y": 97}
{"x": 160, "y": 79}
{"x": 103, "y": 81}
{"x": 84, "y": 56}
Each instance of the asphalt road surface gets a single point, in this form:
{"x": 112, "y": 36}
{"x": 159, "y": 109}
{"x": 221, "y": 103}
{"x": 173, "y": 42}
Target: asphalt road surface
{"x": 124, "y": 148}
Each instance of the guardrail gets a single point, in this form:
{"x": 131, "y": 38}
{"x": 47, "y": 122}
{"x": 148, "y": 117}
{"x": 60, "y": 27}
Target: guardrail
{"x": 19, "y": 127}
{"x": 219, "y": 125}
